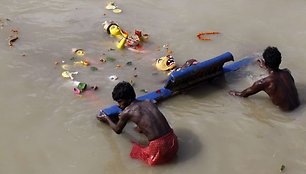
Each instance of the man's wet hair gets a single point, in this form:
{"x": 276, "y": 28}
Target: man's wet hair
{"x": 272, "y": 57}
{"x": 123, "y": 91}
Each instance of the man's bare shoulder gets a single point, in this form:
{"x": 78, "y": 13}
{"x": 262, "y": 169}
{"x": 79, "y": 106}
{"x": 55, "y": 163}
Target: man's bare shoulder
{"x": 286, "y": 70}
{"x": 135, "y": 106}
{"x": 264, "y": 80}
{"x": 138, "y": 105}
{"x": 149, "y": 103}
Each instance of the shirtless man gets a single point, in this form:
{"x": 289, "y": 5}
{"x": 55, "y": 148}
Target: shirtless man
{"x": 279, "y": 84}
{"x": 150, "y": 121}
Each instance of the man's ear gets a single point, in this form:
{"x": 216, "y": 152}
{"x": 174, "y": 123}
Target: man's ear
{"x": 261, "y": 63}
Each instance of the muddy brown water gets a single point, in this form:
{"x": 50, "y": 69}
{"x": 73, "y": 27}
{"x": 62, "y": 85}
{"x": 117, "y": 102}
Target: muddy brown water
{"x": 45, "y": 128}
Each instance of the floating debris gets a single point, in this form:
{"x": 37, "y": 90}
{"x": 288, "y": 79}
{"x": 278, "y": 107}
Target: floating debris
{"x": 166, "y": 46}
{"x": 4, "y": 22}
{"x": 132, "y": 82}
{"x": 85, "y": 62}
{"x": 76, "y": 91}
{"x": 73, "y": 58}
{"x": 110, "y": 59}
{"x": 117, "y": 10}
{"x": 11, "y": 40}
{"x": 81, "y": 87}
{"x": 95, "y": 87}
{"x": 67, "y": 74}
{"x": 93, "y": 68}
{"x": 65, "y": 66}
{"x": 282, "y": 168}
{"x": 111, "y": 6}
{"x": 129, "y": 63}
{"x": 113, "y": 77}
{"x": 145, "y": 36}
{"x": 14, "y": 31}
{"x": 102, "y": 60}
{"x": 200, "y": 35}
{"x": 144, "y": 90}
{"x": 169, "y": 52}
{"x": 132, "y": 42}
{"x": 78, "y": 51}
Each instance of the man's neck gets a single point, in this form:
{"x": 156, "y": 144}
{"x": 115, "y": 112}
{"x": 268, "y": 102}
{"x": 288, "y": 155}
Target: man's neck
{"x": 133, "y": 101}
{"x": 273, "y": 70}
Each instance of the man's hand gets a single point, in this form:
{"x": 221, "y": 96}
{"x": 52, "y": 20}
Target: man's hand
{"x": 102, "y": 118}
{"x": 234, "y": 93}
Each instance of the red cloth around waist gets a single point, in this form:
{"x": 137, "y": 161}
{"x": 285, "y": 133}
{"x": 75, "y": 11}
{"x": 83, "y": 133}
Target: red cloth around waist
{"x": 160, "y": 150}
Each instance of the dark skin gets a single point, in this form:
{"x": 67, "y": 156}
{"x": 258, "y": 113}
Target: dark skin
{"x": 189, "y": 63}
{"x": 145, "y": 114}
{"x": 279, "y": 85}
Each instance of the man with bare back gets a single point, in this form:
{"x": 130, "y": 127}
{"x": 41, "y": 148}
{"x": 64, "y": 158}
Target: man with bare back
{"x": 279, "y": 84}
{"x": 163, "y": 144}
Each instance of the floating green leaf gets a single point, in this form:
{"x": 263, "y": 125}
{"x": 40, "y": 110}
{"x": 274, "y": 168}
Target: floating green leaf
{"x": 82, "y": 86}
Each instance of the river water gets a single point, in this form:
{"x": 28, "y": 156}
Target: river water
{"x": 46, "y": 128}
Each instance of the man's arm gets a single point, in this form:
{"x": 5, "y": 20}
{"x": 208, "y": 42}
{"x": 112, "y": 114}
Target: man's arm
{"x": 255, "y": 88}
{"x": 117, "y": 127}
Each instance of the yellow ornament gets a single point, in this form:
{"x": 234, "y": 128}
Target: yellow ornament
{"x": 66, "y": 66}
{"x": 78, "y": 52}
{"x": 85, "y": 62}
{"x": 117, "y": 10}
{"x": 165, "y": 63}
{"x": 67, "y": 74}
